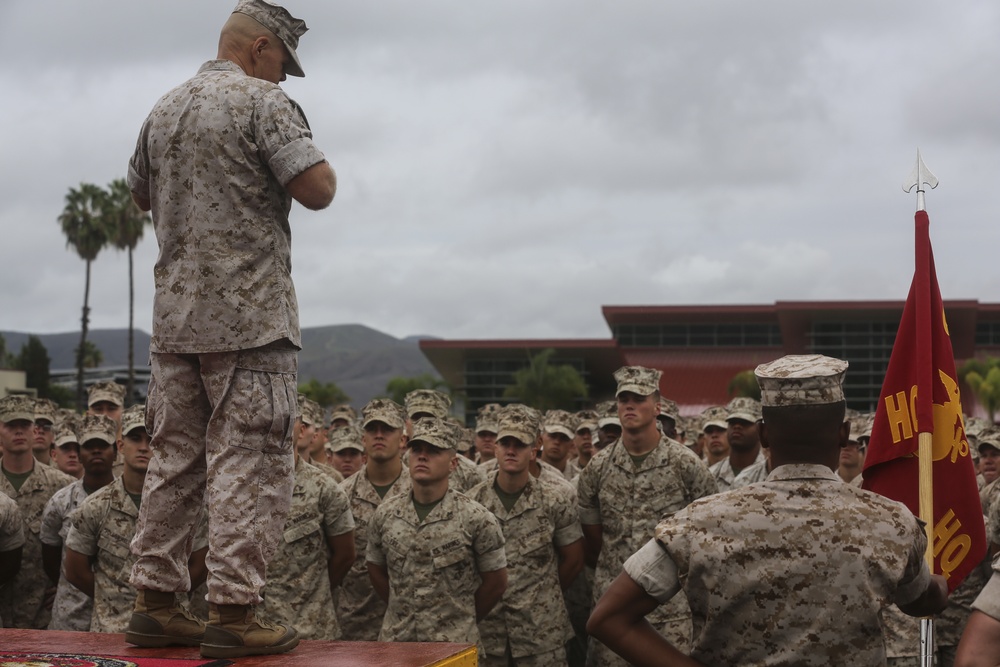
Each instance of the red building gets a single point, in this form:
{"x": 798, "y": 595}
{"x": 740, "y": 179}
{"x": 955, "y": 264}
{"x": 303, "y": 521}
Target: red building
{"x": 701, "y": 348}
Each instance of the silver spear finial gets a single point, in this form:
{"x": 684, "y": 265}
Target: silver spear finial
{"x": 919, "y": 177}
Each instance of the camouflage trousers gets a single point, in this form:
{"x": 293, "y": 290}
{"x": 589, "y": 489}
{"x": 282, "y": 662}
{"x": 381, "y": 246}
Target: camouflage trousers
{"x": 221, "y": 427}
{"x": 554, "y": 658}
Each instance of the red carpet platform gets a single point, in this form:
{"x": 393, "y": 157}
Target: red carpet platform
{"x": 307, "y": 654}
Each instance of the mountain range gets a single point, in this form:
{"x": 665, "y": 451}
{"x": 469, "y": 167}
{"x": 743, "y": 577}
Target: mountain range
{"x": 359, "y": 359}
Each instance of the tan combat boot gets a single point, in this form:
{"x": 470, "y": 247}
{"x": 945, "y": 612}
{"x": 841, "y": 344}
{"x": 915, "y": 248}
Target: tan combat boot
{"x": 234, "y": 631}
{"x": 158, "y": 620}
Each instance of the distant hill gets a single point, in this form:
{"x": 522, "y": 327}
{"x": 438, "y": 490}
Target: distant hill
{"x": 361, "y": 360}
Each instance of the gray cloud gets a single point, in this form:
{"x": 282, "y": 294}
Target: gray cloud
{"x": 506, "y": 169}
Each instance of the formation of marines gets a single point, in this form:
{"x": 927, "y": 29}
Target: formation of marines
{"x": 516, "y": 533}
{"x": 237, "y": 516}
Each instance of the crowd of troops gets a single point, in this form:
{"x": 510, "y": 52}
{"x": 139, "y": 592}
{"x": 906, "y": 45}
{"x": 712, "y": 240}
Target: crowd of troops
{"x": 407, "y": 526}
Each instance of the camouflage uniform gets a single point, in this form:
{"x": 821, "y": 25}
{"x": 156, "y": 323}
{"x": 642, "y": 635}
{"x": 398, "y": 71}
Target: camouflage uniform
{"x": 329, "y": 471}
{"x": 755, "y": 472}
{"x": 359, "y": 608}
{"x": 628, "y": 502}
{"x": 762, "y": 563}
{"x": 72, "y": 608}
{"x": 725, "y": 477}
{"x": 434, "y": 566}
{"x": 21, "y": 601}
{"x": 532, "y": 615}
{"x": 548, "y": 473}
{"x": 213, "y": 159}
{"x": 298, "y": 586}
{"x": 102, "y": 528}
{"x": 465, "y": 475}
{"x": 11, "y": 529}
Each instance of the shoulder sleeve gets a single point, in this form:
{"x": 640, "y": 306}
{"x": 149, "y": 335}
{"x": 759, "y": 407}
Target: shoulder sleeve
{"x": 138, "y": 165}
{"x": 654, "y": 571}
{"x": 586, "y": 491}
{"x": 335, "y": 508}
{"x": 565, "y": 517}
{"x": 916, "y": 576}
{"x": 52, "y": 520}
{"x": 284, "y": 137}
{"x": 374, "y": 552}
{"x": 86, "y": 526}
{"x": 697, "y": 477}
{"x": 487, "y": 539}
{"x": 11, "y": 526}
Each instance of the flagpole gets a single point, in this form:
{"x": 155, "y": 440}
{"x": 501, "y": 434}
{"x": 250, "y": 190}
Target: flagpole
{"x": 919, "y": 177}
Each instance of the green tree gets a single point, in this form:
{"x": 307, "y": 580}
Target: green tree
{"x": 327, "y": 394}
{"x": 84, "y": 223}
{"x": 34, "y": 361}
{"x": 398, "y": 387}
{"x": 6, "y": 360}
{"x": 547, "y": 386}
{"x": 744, "y": 384}
{"x": 92, "y": 355}
{"x": 127, "y": 224}
{"x": 983, "y": 378}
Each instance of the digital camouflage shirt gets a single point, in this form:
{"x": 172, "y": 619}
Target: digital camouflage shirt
{"x": 213, "y": 158}
{"x": 532, "y": 615}
{"x": 794, "y": 570}
{"x": 434, "y": 566}
{"x": 359, "y": 608}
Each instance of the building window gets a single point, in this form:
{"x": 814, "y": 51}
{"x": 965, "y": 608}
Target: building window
{"x": 866, "y": 346}
{"x": 988, "y": 334}
{"x": 728, "y": 334}
{"x": 487, "y": 379}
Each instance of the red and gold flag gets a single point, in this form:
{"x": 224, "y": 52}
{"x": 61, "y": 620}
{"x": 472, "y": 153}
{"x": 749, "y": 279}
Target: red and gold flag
{"x": 920, "y": 394}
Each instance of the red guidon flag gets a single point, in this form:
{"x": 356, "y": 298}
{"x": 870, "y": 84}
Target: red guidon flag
{"x": 920, "y": 395}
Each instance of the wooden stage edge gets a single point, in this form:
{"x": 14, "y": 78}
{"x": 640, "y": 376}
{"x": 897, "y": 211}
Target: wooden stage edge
{"x": 307, "y": 653}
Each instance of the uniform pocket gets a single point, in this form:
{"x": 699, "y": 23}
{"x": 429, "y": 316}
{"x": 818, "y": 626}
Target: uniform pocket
{"x": 265, "y": 401}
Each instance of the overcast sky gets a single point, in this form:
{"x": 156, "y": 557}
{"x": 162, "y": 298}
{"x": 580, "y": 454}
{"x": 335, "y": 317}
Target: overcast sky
{"x": 507, "y": 168}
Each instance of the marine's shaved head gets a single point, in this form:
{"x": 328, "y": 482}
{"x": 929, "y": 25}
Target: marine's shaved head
{"x": 240, "y": 31}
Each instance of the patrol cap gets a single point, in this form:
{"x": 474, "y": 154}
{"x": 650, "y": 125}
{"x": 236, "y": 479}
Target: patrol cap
{"x": 714, "y": 416}
{"x": 430, "y": 401}
{"x": 801, "y": 379}
{"x": 861, "y": 427}
{"x": 560, "y": 421}
{"x": 134, "y": 417}
{"x": 111, "y": 392}
{"x": 464, "y": 437}
{"x": 990, "y": 437}
{"x": 46, "y": 408}
{"x": 346, "y": 437}
{"x": 607, "y": 412}
{"x": 520, "y": 422}
{"x": 98, "y": 427}
{"x": 743, "y": 407}
{"x": 17, "y": 407}
{"x": 638, "y": 380}
{"x": 586, "y": 419}
{"x": 435, "y": 432}
{"x": 384, "y": 410}
{"x": 974, "y": 426}
{"x": 65, "y": 433}
{"x": 278, "y": 20}
{"x": 669, "y": 409}
{"x": 486, "y": 418}
{"x": 310, "y": 411}
{"x": 343, "y": 411}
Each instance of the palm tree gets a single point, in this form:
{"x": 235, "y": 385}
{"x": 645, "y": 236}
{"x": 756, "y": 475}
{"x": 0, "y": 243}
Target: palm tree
{"x": 83, "y": 222}
{"x": 547, "y": 386}
{"x": 983, "y": 378}
{"x": 126, "y": 226}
